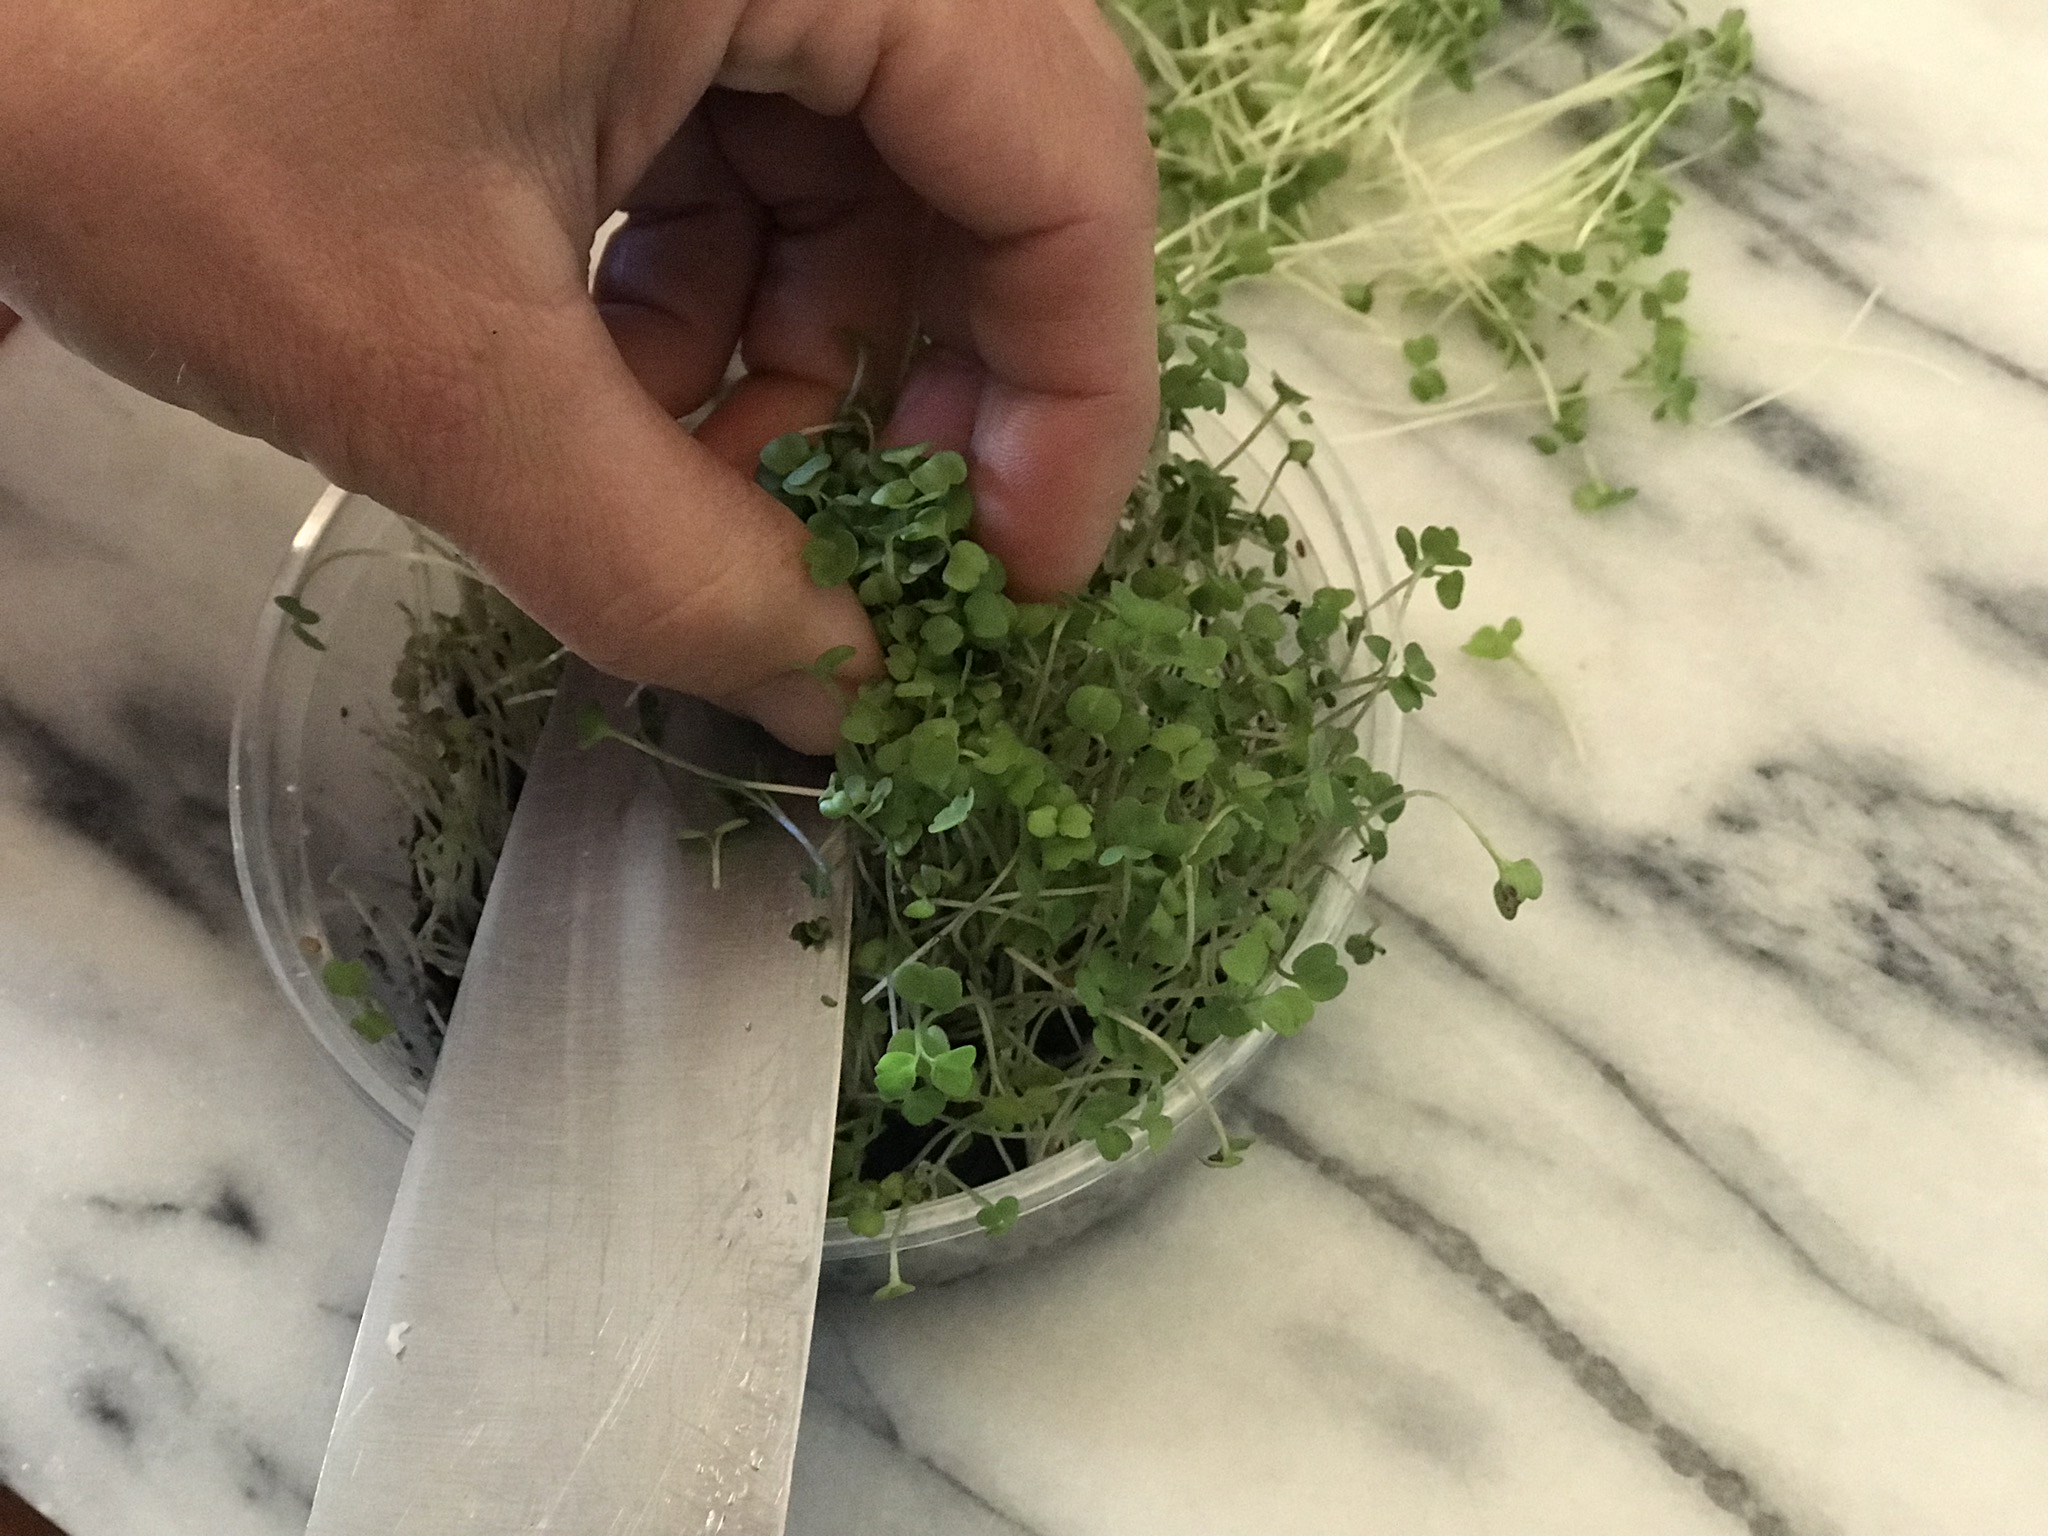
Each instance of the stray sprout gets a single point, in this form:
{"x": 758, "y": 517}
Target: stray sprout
{"x": 349, "y": 980}
{"x": 302, "y": 621}
{"x": 1499, "y": 643}
{"x": 1515, "y": 880}
{"x": 715, "y": 840}
{"x": 1489, "y": 643}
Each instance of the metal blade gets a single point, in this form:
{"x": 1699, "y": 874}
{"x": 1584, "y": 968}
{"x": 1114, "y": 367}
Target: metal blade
{"x": 593, "y": 1306}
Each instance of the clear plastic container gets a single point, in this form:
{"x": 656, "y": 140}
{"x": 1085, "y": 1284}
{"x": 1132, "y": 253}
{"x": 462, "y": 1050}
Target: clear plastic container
{"x": 320, "y": 835}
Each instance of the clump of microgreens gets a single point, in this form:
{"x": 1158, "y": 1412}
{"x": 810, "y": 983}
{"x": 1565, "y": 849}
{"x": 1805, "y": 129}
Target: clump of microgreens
{"x": 1087, "y": 833}
{"x": 1398, "y": 160}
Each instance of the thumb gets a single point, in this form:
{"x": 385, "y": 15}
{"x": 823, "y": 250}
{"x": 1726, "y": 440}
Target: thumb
{"x": 646, "y": 553}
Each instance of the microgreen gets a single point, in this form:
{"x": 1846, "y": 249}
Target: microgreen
{"x": 1363, "y": 948}
{"x": 998, "y": 1216}
{"x": 713, "y": 838}
{"x": 1433, "y": 558}
{"x": 302, "y": 619}
{"x": 349, "y": 981}
{"x": 1494, "y": 643}
{"x": 827, "y": 666}
{"x": 1596, "y": 495}
{"x": 1501, "y": 642}
{"x": 1520, "y": 880}
{"x": 346, "y": 978}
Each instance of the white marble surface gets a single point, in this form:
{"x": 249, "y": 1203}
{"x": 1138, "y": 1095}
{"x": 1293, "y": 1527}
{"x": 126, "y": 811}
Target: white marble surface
{"x": 1711, "y": 1196}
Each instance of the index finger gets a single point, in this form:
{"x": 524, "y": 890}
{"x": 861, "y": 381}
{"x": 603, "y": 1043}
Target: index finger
{"x": 1021, "y": 122}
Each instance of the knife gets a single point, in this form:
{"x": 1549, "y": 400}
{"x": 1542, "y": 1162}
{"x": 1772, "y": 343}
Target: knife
{"x": 592, "y": 1311}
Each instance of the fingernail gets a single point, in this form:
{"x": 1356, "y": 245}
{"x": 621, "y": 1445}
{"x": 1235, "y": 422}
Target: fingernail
{"x": 798, "y": 710}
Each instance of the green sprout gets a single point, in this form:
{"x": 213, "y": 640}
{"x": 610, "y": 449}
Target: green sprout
{"x": 349, "y": 980}
{"x": 302, "y": 619}
{"x": 714, "y": 839}
{"x": 1491, "y": 643}
{"x": 1501, "y": 642}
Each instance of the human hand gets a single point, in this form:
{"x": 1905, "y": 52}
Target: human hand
{"x": 360, "y": 232}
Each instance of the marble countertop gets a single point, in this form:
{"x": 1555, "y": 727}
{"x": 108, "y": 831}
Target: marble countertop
{"x": 1710, "y": 1196}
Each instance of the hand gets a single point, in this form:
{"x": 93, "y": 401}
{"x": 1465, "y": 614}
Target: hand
{"x": 359, "y": 230}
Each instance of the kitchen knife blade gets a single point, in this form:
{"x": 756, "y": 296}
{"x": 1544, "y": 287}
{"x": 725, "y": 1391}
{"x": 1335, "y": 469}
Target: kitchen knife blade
{"x": 592, "y": 1310}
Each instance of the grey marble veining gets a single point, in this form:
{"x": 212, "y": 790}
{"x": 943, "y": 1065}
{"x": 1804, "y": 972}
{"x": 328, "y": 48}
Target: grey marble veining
{"x": 1709, "y": 1197}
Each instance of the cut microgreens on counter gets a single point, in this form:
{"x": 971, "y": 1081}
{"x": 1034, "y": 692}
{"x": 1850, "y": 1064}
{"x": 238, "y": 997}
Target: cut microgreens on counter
{"x": 1431, "y": 169}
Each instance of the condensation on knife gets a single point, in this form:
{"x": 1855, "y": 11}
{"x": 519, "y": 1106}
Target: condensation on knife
{"x": 593, "y": 1307}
